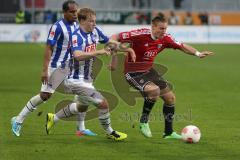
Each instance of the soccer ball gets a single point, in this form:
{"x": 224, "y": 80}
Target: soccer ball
{"x": 191, "y": 134}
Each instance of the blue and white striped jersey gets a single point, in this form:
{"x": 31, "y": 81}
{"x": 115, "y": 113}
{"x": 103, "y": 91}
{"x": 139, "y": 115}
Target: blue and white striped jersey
{"x": 86, "y": 42}
{"x": 59, "y": 36}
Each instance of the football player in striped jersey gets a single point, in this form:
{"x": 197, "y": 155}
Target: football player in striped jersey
{"x": 80, "y": 82}
{"x": 56, "y": 56}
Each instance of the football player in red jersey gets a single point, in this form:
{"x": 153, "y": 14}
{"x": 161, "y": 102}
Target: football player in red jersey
{"x": 147, "y": 44}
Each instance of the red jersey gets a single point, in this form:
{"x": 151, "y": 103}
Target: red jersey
{"x": 146, "y": 48}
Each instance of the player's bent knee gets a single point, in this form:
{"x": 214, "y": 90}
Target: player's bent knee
{"x": 103, "y": 104}
{"x": 82, "y": 108}
{"x": 45, "y": 95}
{"x": 153, "y": 94}
{"x": 169, "y": 99}
{"x": 151, "y": 88}
{"x": 152, "y": 98}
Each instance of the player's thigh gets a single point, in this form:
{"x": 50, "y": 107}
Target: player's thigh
{"x": 87, "y": 95}
{"x": 47, "y": 89}
{"x": 137, "y": 80}
{"x": 151, "y": 90}
{"x": 82, "y": 108}
{"x": 158, "y": 80}
{"x": 55, "y": 78}
{"x": 143, "y": 82}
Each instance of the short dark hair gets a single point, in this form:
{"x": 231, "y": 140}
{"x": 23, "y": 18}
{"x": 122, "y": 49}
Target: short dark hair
{"x": 159, "y": 18}
{"x": 84, "y": 13}
{"x": 65, "y": 6}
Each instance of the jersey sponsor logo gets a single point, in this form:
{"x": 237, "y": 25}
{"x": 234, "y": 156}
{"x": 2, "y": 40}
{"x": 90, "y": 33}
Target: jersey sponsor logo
{"x": 91, "y": 48}
{"x": 125, "y": 35}
{"x": 150, "y": 54}
{"x": 140, "y": 32}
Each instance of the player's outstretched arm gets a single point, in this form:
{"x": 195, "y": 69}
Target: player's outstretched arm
{"x": 121, "y": 47}
{"x": 114, "y": 61}
{"x": 192, "y": 51}
{"x": 47, "y": 57}
{"x": 113, "y": 64}
{"x": 80, "y": 55}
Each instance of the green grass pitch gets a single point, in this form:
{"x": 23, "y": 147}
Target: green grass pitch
{"x": 207, "y": 92}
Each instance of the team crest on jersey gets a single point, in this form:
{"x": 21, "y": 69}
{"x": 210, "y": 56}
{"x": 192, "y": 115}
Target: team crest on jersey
{"x": 51, "y": 35}
{"x": 52, "y": 32}
{"x": 159, "y": 46}
{"x": 74, "y": 41}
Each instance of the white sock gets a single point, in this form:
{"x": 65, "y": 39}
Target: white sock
{"x": 55, "y": 118}
{"x": 31, "y": 105}
{"x": 68, "y": 111}
{"x": 104, "y": 119}
{"x": 80, "y": 121}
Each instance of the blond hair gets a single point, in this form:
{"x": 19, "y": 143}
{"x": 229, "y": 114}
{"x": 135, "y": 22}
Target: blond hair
{"x": 84, "y": 13}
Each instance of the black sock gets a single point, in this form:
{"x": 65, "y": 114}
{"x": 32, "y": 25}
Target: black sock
{"x": 148, "y": 105}
{"x": 168, "y": 112}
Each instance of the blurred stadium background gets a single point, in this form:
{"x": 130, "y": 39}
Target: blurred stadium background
{"x": 219, "y": 19}
{"x": 219, "y": 12}
{"x": 207, "y": 90}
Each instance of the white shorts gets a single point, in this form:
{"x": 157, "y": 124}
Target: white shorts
{"x": 55, "y": 77}
{"x": 85, "y": 92}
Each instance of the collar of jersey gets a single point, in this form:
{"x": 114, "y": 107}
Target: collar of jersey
{"x": 154, "y": 38}
{"x": 84, "y": 33}
{"x": 66, "y": 22}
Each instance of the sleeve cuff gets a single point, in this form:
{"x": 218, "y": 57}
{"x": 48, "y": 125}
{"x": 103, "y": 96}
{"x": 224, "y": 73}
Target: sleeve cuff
{"x": 51, "y": 42}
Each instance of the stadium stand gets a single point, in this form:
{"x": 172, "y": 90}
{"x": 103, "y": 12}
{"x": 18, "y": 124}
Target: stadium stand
{"x": 220, "y": 12}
